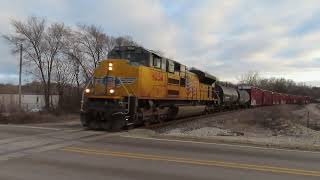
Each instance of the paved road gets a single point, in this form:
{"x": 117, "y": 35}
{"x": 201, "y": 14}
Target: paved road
{"x": 28, "y": 153}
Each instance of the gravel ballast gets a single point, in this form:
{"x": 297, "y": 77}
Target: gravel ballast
{"x": 280, "y": 126}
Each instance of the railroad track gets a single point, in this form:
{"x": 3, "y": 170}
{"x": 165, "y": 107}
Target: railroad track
{"x": 188, "y": 119}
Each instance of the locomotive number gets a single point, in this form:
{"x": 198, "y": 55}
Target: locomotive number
{"x": 157, "y": 76}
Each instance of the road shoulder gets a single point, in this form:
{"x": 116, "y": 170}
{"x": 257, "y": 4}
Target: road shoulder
{"x": 241, "y": 141}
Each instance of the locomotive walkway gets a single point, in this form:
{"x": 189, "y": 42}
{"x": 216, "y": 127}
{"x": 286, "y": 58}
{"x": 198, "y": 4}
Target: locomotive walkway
{"x": 28, "y": 152}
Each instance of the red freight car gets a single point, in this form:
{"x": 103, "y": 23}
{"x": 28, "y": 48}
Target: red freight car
{"x": 302, "y": 99}
{"x": 286, "y": 98}
{"x": 308, "y": 99}
{"x": 294, "y": 99}
{"x": 281, "y": 98}
{"x": 276, "y": 98}
{"x": 267, "y": 97}
{"x": 260, "y": 97}
{"x": 256, "y": 95}
{"x": 299, "y": 100}
{"x": 289, "y": 99}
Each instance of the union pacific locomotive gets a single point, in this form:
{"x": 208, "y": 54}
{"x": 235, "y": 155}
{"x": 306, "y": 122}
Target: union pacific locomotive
{"x": 136, "y": 86}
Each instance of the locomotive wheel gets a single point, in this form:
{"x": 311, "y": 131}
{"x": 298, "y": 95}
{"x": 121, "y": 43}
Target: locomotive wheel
{"x": 88, "y": 121}
{"x": 147, "y": 123}
{"x": 118, "y": 124}
{"x": 161, "y": 120}
{"x": 84, "y": 119}
{"x": 94, "y": 125}
{"x": 106, "y": 125}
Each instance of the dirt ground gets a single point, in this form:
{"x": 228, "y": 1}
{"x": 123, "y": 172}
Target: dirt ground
{"x": 281, "y": 124}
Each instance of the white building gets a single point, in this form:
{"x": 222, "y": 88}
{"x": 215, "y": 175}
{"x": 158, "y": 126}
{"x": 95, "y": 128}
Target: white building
{"x": 29, "y": 102}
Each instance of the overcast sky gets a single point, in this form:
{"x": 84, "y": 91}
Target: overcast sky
{"x": 227, "y": 38}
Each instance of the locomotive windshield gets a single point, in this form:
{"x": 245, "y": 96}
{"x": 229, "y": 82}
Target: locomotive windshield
{"x": 133, "y": 54}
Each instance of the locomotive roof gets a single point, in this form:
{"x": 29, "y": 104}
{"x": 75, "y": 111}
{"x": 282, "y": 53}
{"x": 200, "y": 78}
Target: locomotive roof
{"x": 204, "y": 76}
{"x": 137, "y": 47}
{"x": 144, "y": 49}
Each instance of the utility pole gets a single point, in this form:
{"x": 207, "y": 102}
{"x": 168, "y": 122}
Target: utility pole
{"x": 20, "y": 71}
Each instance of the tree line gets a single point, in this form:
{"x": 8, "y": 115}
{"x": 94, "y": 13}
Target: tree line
{"x": 61, "y": 57}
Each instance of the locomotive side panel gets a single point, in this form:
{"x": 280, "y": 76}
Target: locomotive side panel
{"x": 152, "y": 83}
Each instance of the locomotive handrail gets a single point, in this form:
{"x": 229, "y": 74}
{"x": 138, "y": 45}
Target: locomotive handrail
{"x": 125, "y": 88}
{"x": 129, "y": 95}
{"x": 83, "y": 92}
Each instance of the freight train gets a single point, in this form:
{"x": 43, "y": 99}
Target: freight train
{"x": 136, "y": 86}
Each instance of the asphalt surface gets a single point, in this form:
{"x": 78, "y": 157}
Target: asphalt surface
{"x": 37, "y": 153}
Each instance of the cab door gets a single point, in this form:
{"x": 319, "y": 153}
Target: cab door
{"x": 173, "y": 80}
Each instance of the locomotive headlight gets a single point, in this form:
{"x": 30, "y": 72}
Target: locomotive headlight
{"x": 110, "y": 66}
{"x": 87, "y": 90}
{"x": 111, "y": 91}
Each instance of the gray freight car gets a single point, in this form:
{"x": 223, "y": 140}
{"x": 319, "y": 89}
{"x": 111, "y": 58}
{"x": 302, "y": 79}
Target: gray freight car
{"x": 244, "y": 98}
{"x": 228, "y": 96}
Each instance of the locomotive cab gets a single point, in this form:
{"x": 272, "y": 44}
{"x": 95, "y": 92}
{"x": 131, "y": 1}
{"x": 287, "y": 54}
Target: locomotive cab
{"x": 109, "y": 98}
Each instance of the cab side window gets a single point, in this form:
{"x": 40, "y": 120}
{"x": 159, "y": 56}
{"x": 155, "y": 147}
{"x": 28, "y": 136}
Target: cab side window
{"x": 170, "y": 66}
{"x": 183, "y": 75}
{"x": 183, "y": 68}
{"x": 177, "y": 67}
{"x": 156, "y": 62}
{"x": 164, "y": 64}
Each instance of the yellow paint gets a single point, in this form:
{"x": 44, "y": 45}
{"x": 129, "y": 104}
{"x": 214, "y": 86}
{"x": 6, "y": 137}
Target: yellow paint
{"x": 255, "y": 167}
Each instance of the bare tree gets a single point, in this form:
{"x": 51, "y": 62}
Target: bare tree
{"x": 87, "y": 46}
{"x": 125, "y": 41}
{"x": 54, "y": 40}
{"x": 41, "y": 47}
{"x": 94, "y": 43}
{"x": 74, "y": 50}
{"x": 251, "y": 78}
{"x": 63, "y": 77}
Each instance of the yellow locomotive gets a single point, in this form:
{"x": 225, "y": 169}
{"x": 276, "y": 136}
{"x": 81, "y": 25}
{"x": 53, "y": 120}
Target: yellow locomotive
{"x": 137, "y": 86}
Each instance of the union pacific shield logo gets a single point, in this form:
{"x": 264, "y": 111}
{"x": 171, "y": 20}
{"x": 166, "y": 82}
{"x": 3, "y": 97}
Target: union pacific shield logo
{"x": 110, "y": 82}
{"x": 124, "y": 80}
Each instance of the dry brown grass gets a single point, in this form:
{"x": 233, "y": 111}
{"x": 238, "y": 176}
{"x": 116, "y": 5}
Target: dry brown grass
{"x": 31, "y": 118}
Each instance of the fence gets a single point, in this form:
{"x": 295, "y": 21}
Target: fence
{"x": 29, "y": 102}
